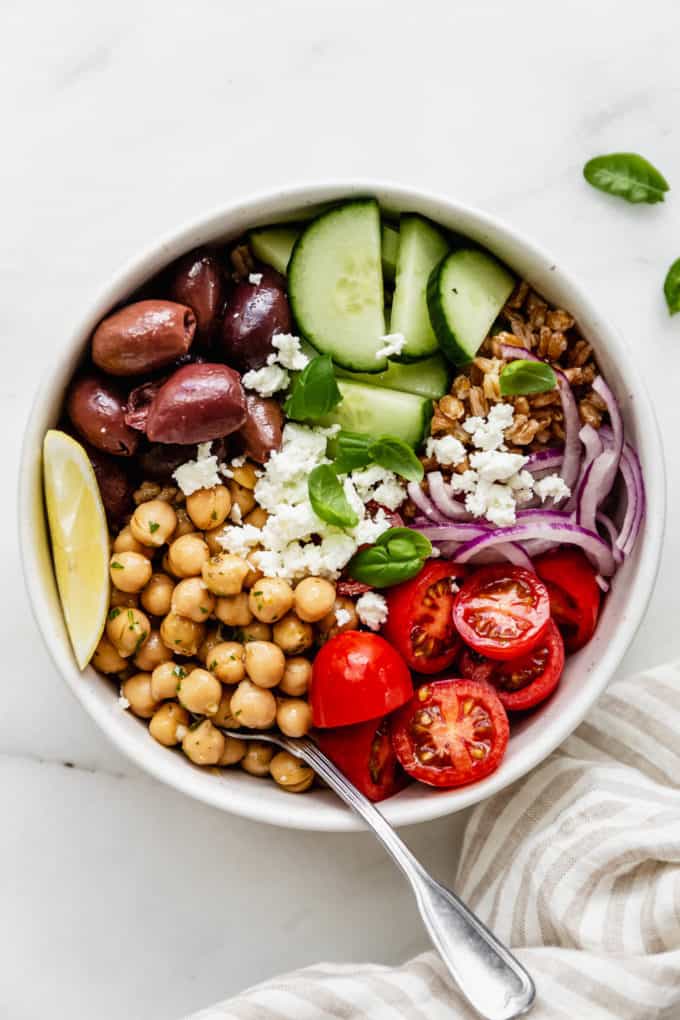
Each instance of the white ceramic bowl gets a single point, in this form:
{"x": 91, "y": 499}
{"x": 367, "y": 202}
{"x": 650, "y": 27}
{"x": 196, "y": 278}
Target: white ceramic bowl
{"x": 586, "y": 673}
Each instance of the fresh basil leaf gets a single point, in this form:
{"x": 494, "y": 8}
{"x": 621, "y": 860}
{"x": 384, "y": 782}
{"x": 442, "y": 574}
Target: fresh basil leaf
{"x": 351, "y": 451}
{"x": 627, "y": 175}
{"x": 671, "y": 288}
{"x": 520, "y": 376}
{"x": 315, "y": 391}
{"x": 398, "y": 554}
{"x": 328, "y": 498}
{"x": 396, "y": 455}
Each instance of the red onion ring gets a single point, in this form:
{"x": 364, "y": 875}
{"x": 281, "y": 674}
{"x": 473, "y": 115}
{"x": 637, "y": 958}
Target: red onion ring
{"x": 447, "y": 505}
{"x": 560, "y": 532}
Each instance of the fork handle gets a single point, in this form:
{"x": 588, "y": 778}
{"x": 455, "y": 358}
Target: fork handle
{"x": 485, "y": 971}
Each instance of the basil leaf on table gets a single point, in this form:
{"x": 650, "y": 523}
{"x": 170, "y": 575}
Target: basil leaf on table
{"x": 671, "y": 288}
{"x": 396, "y": 455}
{"x": 351, "y": 451}
{"x": 328, "y": 498}
{"x": 398, "y": 554}
{"x": 315, "y": 391}
{"x": 627, "y": 175}
{"x": 520, "y": 377}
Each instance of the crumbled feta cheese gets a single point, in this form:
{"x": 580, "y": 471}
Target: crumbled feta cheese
{"x": 123, "y": 701}
{"x": 239, "y": 540}
{"x": 447, "y": 450}
{"x": 267, "y": 380}
{"x": 181, "y": 732}
{"x": 466, "y": 481}
{"x": 255, "y": 278}
{"x": 379, "y": 485}
{"x": 372, "y": 609}
{"x": 342, "y": 617}
{"x": 551, "y": 487}
{"x": 370, "y": 529}
{"x": 497, "y": 466}
{"x": 501, "y": 415}
{"x": 202, "y": 473}
{"x": 238, "y": 461}
{"x": 493, "y": 501}
{"x": 289, "y": 354}
{"x": 235, "y": 514}
{"x": 393, "y": 343}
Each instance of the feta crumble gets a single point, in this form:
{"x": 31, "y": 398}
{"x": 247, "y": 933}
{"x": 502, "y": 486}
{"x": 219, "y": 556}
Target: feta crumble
{"x": 202, "y": 473}
{"x": 267, "y": 380}
{"x": 255, "y": 278}
{"x": 289, "y": 353}
{"x": 380, "y": 485}
{"x": 393, "y": 343}
{"x": 372, "y": 610}
{"x": 342, "y": 617}
{"x": 551, "y": 487}
{"x": 446, "y": 450}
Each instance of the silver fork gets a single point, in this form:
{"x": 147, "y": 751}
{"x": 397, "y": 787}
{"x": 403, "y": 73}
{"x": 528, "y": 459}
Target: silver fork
{"x": 486, "y": 972}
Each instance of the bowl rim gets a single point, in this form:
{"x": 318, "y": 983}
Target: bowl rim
{"x": 149, "y": 259}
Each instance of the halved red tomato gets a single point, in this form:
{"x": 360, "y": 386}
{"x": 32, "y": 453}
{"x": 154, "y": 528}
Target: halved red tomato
{"x": 357, "y": 676}
{"x": 451, "y": 733}
{"x": 420, "y": 620}
{"x": 364, "y": 753}
{"x": 574, "y": 594}
{"x": 524, "y": 682}
{"x": 502, "y": 611}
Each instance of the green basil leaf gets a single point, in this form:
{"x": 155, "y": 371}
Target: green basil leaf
{"x": 671, "y": 288}
{"x": 420, "y": 545}
{"x": 520, "y": 376}
{"x": 396, "y": 455}
{"x": 351, "y": 451}
{"x": 328, "y": 498}
{"x": 397, "y": 555}
{"x": 627, "y": 175}
{"x": 315, "y": 391}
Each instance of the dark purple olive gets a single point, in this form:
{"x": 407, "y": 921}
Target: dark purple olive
{"x": 142, "y": 337}
{"x": 253, "y": 315}
{"x": 159, "y": 461}
{"x": 261, "y": 433}
{"x": 197, "y": 280}
{"x": 197, "y": 403}
{"x": 114, "y": 485}
{"x": 96, "y": 408}
{"x": 138, "y": 403}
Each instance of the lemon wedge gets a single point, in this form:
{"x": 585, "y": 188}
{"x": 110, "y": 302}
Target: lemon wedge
{"x": 80, "y": 541}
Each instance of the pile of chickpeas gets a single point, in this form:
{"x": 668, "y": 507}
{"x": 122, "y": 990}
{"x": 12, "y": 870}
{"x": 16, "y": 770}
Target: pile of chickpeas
{"x": 200, "y": 640}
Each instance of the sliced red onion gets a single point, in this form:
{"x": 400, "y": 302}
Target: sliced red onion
{"x": 603, "y": 390}
{"x": 602, "y": 582}
{"x": 453, "y": 531}
{"x": 424, "y": 504}
{"x": 607, "y": 524}
{"x": 545, "y": 460}
{"x": 635, "y": 499}
{"x": 443, "y": 500}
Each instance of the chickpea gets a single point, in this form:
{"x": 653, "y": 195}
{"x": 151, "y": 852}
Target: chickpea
{"x": 157, "y": 594}
{"x": 234, "y": 610}
{"x": 253, "y": 706}
{"x": 294, "y": 717}
{"x": 290, "y": 773}
{"x": 187, "y": 554}
{"x": 213, "y": 536}
{"x": 166, "y": 678}
{"x": 257, "y": 517}
{"x": 122, "y": 599}
{"x": 181, "y": 635}
{"x": 200, "y": 692}
{"x": 245, "y": 475}
{"x": 106, "y": 659}
{"x": 223, "y": 716}
{"x": 328, "y": 627}
{"x": 257, "y": 758}
{"x": 152, "y": 653}
{"x": 192, "y": 599}
{"x": 296, "y": 676}
{"x": 265, "y": 663}
{"x": 210, "y": 641}
{"x": 255, "y": 631}
{"x": 127, "y": 630}
{"x": 166, "y": 565}
{"x": 270, "y": 599}
{"x": 293, "y": 635}
{"x": 153, "y": 523}
{"x": 169, "y": 724}
{"x": 314, "y": 598}
{"x": 185, "y": 526}
{"x": 226, "y": 662}
{"x": 129, "y": 571}
{"x": 208, "y": 508}
{"x": 137, "y": 690}
{"x": 242, "y": 498}
{"x": 203, "y": 745}
{"x": 126, "y": 542}
{"x": 234, "y": 751}
{"x": 224, "y": 573}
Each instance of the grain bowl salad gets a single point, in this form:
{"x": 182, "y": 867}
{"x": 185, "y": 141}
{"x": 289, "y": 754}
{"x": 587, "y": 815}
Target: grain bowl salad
{"x": 349, "y": 477}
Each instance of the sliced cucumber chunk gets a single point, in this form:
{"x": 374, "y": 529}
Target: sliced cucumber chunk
{"x": 335, "y": 285}
{"x": 390, "y": 250}
{"x": 429, "y": 377}
{"x": 273, "y": 245}
{"x": 373, "y": 412}
{"x": 465, "y": 293}
{"x": 421, "y": 247}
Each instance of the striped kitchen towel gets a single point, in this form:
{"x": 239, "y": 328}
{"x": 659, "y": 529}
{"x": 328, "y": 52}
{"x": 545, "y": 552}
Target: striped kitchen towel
{"x": 576, "y": 866}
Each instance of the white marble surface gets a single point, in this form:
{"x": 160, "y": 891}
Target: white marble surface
{"x": 120, "y": 898}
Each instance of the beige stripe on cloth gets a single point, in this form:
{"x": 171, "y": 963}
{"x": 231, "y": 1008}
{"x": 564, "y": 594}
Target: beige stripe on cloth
{"x": 576, "y": 866}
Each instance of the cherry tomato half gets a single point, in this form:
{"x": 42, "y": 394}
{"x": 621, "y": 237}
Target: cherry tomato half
{"x": 524, "y": 682}
{"x": 574, "y": 594}
{"x": 357, "y": 676}
{"x": 451, "y": 733}
{"x": 420, "y": 620}
{"x": 502, "y": 611}
{"x": 364, "y": 753}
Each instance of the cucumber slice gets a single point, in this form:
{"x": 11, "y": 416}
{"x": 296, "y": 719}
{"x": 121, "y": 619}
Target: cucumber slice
{"x": 465, "y": 293}
{"x": 374, "y": 412}
{"x": 429, "y": 377}
{"x": 390, "y": 248}
{"x": 273, "y": 245}
{"x": 335, "y": 285}
{"x": 421, "y": 247}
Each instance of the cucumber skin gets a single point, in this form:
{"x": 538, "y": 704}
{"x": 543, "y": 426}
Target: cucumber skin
{"x": 389, "y": 238}
{"x": 414, "y": 436}
{"x": 408, "y": 220}
{"x": 384, "y": 381}
{"x": 275, "y": 256}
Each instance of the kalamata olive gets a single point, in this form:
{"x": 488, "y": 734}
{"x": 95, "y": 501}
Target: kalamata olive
{"x": 96, "y": 408}
{"x": 142, "y": 337}
{"x": 197, "y": 403}
{"x": 254, "y": 313}
{"x": 261, "y": 432}
{"x": 196, "y": 280}
{"x": 158, "y": 461}
{"x": 114, "y": 485}
{"x": 138, "y": 403}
